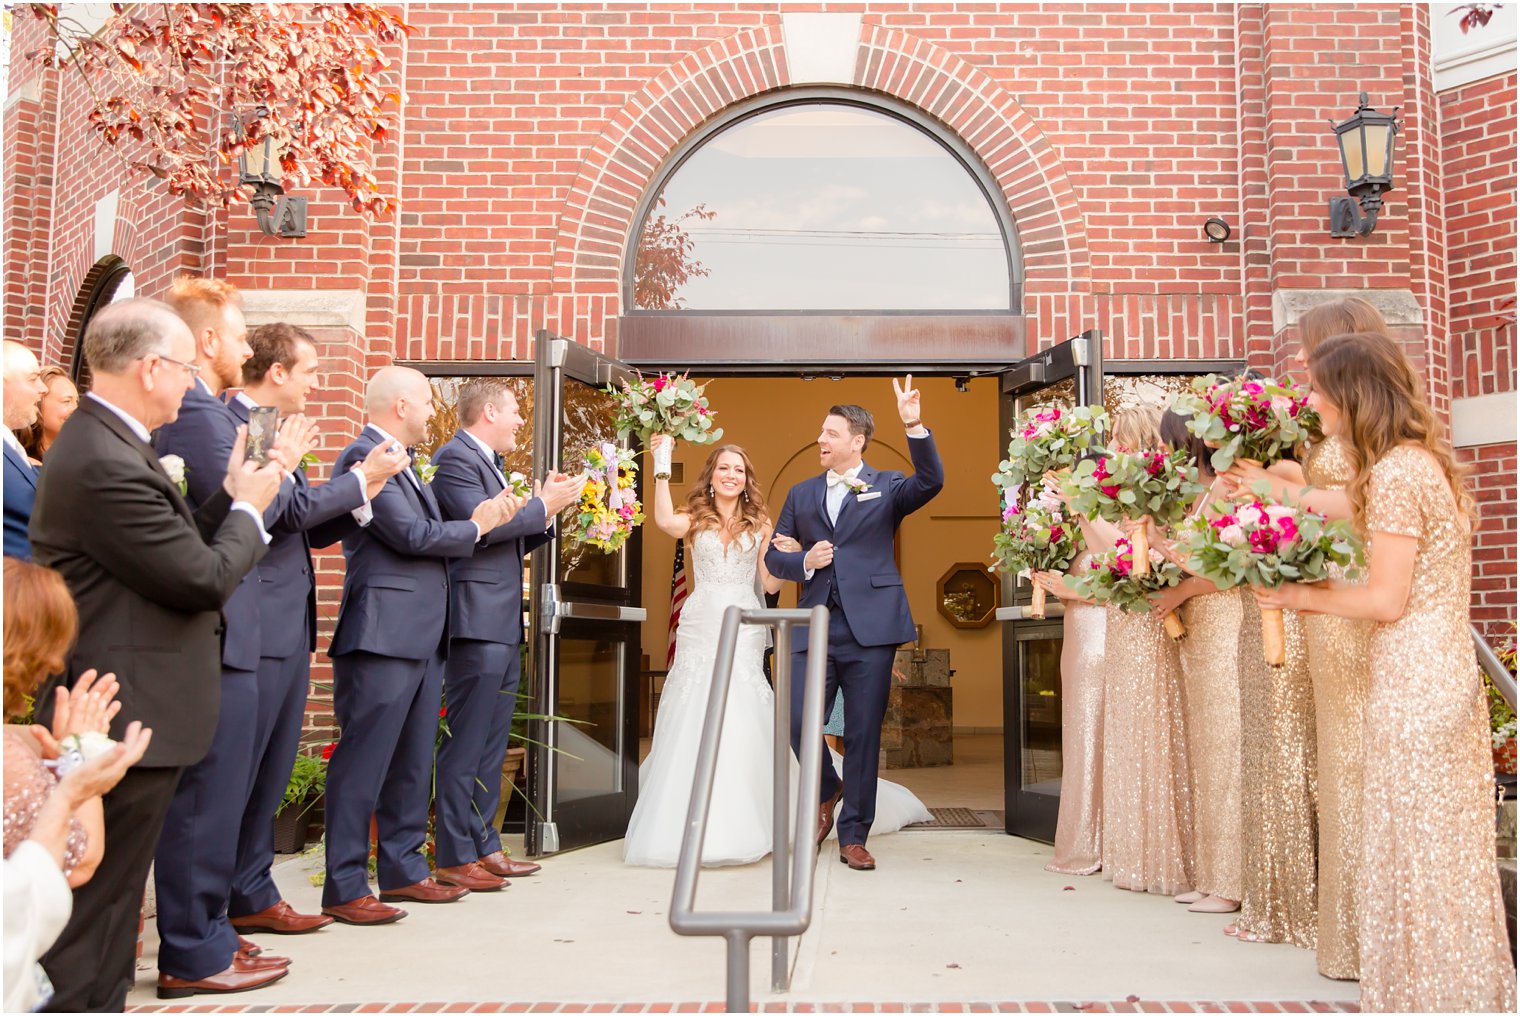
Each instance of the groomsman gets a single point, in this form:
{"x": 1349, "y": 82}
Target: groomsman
{"x": 485, "y": 634}
{"x": 23, "y": 394}
{"x": 388, "y": 654}
{"x": 282, "y": 373}
{"x": 149, "y": 579}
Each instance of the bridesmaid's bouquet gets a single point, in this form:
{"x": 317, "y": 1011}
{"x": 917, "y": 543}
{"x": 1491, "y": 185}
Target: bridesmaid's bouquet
{"x": 1131, "y": 485}
{"x": 1258, "y": 421}
{"x": 609, "y": 509}
{"x": 670, "y": 404}
{"x": 1267, "y": 545}
{"x": 1113, "y": 578}
{"x": 1050, "y": 439}
{"x": 1038, "y": 538}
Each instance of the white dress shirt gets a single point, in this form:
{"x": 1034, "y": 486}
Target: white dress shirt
{"x": 416, "y": 483}
{"x": 11, "y": 439}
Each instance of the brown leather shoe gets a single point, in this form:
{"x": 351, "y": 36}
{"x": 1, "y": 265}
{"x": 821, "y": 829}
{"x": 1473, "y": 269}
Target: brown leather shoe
{"x": 426, "y": 891}
{"x": 260, "y": 958}
{"x": 364, "y": 910}
{"x": 470, "y": 876}
{"x": 826, "y": 815}
{"x": 857, "y": 857}
{"x": 241, "y": 976}
{"x": 281, "y": 919}
{"x": 502, "y": 866}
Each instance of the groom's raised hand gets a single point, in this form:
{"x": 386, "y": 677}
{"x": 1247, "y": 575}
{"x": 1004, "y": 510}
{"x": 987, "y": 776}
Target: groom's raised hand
{"x": 909, "y": 403}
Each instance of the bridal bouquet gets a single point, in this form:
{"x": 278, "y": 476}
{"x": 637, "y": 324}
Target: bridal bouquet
{"x": 1260, "y": 421}
{"x": 1038, "y": 538}
{"x": 1129, "y": 485}
{"x": 1050, "y": 439}
{"x": 609, "y": 509}
{"x": 1112, "y": 578}
{"x": 670, "y": 404}
{"x": 1266, "y": 545}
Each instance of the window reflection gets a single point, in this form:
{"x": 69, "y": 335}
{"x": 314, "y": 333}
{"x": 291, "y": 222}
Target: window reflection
{"x": 821, "y": 207}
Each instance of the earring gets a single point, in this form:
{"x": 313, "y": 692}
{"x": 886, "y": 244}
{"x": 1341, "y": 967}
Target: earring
{"x": 744, "y": 494}
{"x": 709, "y": 490}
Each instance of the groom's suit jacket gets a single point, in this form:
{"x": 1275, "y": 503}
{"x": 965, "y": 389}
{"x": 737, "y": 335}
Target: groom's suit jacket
{"x": 869, "y": 587}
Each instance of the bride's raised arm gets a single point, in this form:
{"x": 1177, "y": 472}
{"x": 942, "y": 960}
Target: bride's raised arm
{"x": 769, "y": 582}
{"x": 671, "y": 522}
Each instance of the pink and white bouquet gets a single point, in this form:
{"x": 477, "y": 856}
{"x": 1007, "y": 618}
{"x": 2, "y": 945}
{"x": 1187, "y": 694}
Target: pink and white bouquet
{"x": 1266, "y": 545}
{"x": 1132, "y": 485}
{"x": 1053, "y": 438}
{"x": 1038, "y": 537}
{"x": 670, "y": 404}
{"x": 1259, "y": 421}
{"x": 609, "y": 508}
{"x": 1113, "y": 578}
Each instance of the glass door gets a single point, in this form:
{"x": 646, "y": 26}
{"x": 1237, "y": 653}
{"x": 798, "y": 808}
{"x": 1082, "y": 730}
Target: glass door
{"x": 1069, "y": 374}
{"x": 584, "y": 664}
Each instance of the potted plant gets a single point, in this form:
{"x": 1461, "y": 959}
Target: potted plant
{"x": 293, "y": 820}
{"x": 1501, "y": 717}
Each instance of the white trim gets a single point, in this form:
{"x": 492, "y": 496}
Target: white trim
{"x": 308, "y": 308}
{"x": 820, "y": 48}
{"x": 1483, "y": 420}
{"x": 105, "y": 224}
{"x": 1475, "y": 64}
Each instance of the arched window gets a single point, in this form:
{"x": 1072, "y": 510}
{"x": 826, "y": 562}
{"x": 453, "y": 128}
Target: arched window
{"x": 826, "y": 203}
{"x": 108, "y": 280}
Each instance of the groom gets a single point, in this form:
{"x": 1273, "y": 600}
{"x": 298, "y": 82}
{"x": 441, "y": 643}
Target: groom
{"x": 847, "y": 519}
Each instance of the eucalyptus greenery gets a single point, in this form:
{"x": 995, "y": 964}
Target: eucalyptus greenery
{"x": 1128, "y": 485}
{"x": 665, "y": 404}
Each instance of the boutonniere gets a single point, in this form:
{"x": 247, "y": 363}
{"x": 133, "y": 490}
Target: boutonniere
{"x": 519, "y": 484}
{"x": 856, "y": 484}
{"x": 174, "y": 466}
{"x": 307, "y": 461}
{"x": 424, "y": 468}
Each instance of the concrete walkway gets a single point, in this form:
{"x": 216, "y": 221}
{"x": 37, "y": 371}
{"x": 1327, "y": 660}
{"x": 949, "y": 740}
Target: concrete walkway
{"x": 949, "y": 916}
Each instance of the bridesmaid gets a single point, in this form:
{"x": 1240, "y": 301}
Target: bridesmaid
{"x": 1147, "y": 802}
{"x": 1079, "y": 825}
{"x": 1433, "y": 934}
{"x": 1210, "y": 657}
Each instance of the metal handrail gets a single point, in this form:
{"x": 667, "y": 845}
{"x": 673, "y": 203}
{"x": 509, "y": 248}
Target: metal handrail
{"x": 791, "y": 893}
{"x": 1497, "y": 672}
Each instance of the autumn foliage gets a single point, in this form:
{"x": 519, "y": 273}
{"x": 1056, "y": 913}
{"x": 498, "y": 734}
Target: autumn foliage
{"x": 179, "y": 90}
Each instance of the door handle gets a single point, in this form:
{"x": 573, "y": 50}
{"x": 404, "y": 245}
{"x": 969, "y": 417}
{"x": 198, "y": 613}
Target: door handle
{"x": 1020, "y": 612}
{"x": 555, "y": 610}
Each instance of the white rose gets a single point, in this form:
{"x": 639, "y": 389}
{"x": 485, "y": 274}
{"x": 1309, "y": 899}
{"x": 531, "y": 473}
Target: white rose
{"x": 1279, "y": 511}
{"x": 1249, "y": 515}
{"x": 174, "y": 466}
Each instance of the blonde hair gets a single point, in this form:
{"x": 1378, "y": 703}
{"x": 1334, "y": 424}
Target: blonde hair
{"x": 1346, "y": 316}
{"x": 703, "y": 507}
{"x": 200, "y": 303}
{"x": 1369, "y": 380}
{"x": 1137, "y": 428}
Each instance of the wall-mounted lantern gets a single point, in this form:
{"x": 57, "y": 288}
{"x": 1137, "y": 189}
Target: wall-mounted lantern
{"x": 1366, "y": 146}
{"x": 259, "y": 168}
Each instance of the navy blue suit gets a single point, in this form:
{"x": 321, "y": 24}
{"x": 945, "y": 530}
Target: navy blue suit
{"x": 868, "y": 611}
{"x": 20, "y": 492}
{"x": 483, "y": 671}
{"x": 306, "y": 516}
{"x": 388, "y": 652}
{"x": 197, "y": 852}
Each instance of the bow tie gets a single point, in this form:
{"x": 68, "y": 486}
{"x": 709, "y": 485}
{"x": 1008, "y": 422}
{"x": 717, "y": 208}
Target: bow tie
{"x": 834, "y": 479}
{"x": 501, "y": 461}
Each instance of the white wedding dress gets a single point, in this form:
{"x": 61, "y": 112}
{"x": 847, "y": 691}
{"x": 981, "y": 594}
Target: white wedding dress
{"x": 739, "y": 821}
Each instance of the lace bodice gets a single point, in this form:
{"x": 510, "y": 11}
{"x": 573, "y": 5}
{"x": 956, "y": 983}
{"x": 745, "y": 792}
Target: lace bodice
{"x": 713, "y": 567}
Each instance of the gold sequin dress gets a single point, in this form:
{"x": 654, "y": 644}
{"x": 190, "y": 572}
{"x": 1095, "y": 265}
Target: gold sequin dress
{"x": 1147, "y": 807}
{"x": 1338, "y": 670}
{"x": 1079, "y": 827}
{"x": 1433, "y": 932}
{"x": 1211, "y": 683}
{"x": 1278, "y": 902}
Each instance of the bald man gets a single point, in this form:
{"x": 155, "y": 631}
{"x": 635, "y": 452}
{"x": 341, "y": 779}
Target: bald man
{"x": 23, "y": 393}
{"x": 388, "y": 655}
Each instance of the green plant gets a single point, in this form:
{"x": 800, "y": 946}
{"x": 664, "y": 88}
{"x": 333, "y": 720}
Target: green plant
{"x": 308, "y": 779}
{"x": 1501, "y": 718}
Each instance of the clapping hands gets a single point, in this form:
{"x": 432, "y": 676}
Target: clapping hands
{"x": 560, "y": 491}
{"x": 87, "y": 708}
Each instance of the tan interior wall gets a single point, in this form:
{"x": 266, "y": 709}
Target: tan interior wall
{"x": 777, "y": 419}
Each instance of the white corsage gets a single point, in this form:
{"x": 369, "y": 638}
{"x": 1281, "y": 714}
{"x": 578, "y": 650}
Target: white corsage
{"x": 174, "y": 467}
{"x": 519, "y": 484}
{"x": 77, "y": 749}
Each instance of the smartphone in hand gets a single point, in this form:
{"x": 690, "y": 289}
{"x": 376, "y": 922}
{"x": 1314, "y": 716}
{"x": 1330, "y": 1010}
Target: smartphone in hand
{"x": 263, "y": 426}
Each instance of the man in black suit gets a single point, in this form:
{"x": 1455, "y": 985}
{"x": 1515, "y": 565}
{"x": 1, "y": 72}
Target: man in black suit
{"x": 485, "y": 634}
{"x": 149, "y": 578}
{"x": 281, "y": 373}
{"x": 388, "y": 652}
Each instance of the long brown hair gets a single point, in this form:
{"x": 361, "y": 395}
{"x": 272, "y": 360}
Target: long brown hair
{"x": 1348, "y": 315}
{"x": 31, "y": 437}
{"x": 40, "y": 625}
{"x": 1369, "y": 379}
{"x": 703, "y": 508}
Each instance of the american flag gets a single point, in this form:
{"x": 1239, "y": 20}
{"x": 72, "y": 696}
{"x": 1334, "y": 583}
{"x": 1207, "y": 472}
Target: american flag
{"x": 677, "y": 598}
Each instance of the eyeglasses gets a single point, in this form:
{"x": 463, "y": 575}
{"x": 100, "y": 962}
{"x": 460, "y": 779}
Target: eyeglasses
{"x": 193, "y": 369}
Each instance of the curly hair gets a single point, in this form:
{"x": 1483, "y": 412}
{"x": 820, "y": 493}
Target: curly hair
{"x": 703, "y": 508}
{"x": 1368, "y": 378}
{"x": 40, "y": 625}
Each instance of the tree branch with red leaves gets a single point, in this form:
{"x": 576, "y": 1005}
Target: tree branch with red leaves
{"x": 180, "y": 90}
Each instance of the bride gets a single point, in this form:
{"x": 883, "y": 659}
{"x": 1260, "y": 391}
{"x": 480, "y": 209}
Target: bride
{"x": 726, "y": 529}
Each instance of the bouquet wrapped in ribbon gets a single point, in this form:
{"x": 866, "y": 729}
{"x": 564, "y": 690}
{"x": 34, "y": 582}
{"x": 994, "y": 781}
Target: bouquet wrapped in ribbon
{"x": 665, "y": 404}
{"x": 1257, "y": 421}
{"x": 1037, "y": 538}
{"x": 609, "y": 509}
{"x": 1113, "y": 578}
{"x": 1050, "y": 439}
{"x": 1266, "y": 545}
{"x": 1132, "y": 485}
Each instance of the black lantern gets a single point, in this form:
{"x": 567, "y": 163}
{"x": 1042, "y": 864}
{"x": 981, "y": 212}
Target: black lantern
{"x": 259, "y": 168}
{"x": 1366, "y": 146}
